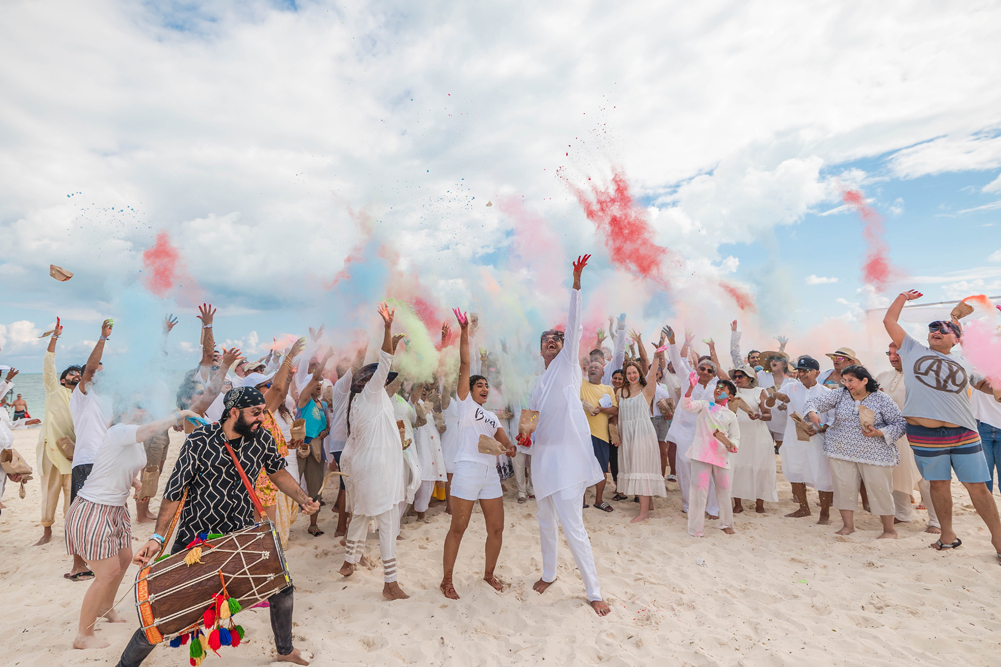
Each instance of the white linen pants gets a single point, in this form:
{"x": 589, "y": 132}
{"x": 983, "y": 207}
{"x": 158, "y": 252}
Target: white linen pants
{"x": 389, "y": 528}
{"x": 704, "y": 475}
{"x": 523, "y": 474}
{"x": 683, "y": 464}
{"x": 904, "y": 511}
{"x": 564, "y": 508}
{"x": 423, "y": 497}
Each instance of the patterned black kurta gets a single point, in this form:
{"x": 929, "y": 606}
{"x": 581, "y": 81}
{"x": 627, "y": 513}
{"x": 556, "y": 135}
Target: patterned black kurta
{"x": 218, "y": 502}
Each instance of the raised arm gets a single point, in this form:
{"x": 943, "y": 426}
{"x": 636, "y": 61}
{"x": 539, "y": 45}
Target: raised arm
{"x": 735, "y": 355}
{"x": 147, "y": 431}
{"x": 215, "y": 384}
{"x": 890, "y": 322}
{"x": 720, "y": 373}
{"x": 650, "y": 390}
{"x": 94, "y": 360}
{"x": 275, "y": 394}
{"x": 206, "y": 313}
{"x": 574, "y": 328}
{"x": 462, "y": 389}
{"x": 56, "y": 333}
{"x": 619, "y": 351}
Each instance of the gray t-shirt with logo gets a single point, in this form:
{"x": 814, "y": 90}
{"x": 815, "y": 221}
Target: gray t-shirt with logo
{"x": 938, "y": 385}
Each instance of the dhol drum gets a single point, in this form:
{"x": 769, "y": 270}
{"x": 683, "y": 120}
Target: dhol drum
{"x": 172, "y": 595}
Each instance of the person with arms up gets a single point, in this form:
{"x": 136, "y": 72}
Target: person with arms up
{"x": 476, "y": 477}
{"x": 373, "y": 460}
{"x": 563, "y": 462}
{"x": 940, "y": 424}
{"x": 218, "y": 500}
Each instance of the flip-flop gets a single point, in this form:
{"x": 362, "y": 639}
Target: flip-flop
{"x": 586, "y": 505}
{"x": 314, "y": 531}
{"x": 619, "y": 496}
{"x": 608, "y": 508}
{"x": 941, "y": 547}
{"x": 79, "y": 576}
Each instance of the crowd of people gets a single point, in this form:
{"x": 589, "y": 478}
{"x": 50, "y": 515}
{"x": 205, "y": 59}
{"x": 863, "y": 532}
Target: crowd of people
{"x": 652, "y": 418}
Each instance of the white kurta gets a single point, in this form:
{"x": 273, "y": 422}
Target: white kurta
{"x": 805, "y": 462}
{"x": 405, "y": 412}
{"x": 428, "y": 442}
{"x": 562, "y": 456}
{"x": 753, "y": 464}
{"x": 682, "y": 430}
{"x": 371, "y": 455}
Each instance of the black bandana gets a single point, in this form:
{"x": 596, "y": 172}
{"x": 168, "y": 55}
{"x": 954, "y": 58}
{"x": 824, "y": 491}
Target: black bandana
{"x": 243, "y": 397}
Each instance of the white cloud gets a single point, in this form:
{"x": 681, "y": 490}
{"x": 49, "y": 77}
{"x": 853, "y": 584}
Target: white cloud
{"x": 962, "y": 153}
{"x": 993, "y": 186}
{"x": 820, "y": 280}
{"x": 19, "y": 335}
{"x": 995, "y": 256}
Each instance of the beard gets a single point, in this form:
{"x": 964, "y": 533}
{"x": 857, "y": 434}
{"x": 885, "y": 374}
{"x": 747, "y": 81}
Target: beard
{"x": 245, "y": 428}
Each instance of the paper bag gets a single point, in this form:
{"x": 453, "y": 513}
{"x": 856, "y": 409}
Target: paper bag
{"x": 740, "y": 404}
{"x": 613, "y": 434}
{"x": 298, "y": 430}
{"x": 666, "y": 407}
{"x": 316, "y": 448}
{"x": 404, "y": 440}
{"x": 439, "y": 422}
{"x": 13, "y": 463}
{"x": 59, "y": 273}
{"x": 149, "y": 478}
{"x": 866, "y": 417}
{"x": 588, "y": 408}
{"x": 67, "y": 447}
{"x": 802, "y": 434}
{"x": 422, "y": 415}
{"x": 488, "y": 445}
{"x": 528, "y": 421}
{"x": 961, "y": 310}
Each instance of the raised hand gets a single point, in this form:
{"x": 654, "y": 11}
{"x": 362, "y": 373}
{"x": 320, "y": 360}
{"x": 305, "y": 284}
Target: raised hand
{"x": 12, "y": 373}
{"x": 636, "y": 336}
{"x": 733, "y": 325}
{"x": 106, "y": 328}
{"x": 230, "y": 356}
{"x": 911, "y": 295}
{"x": 445, "y": 332}
{"x": 387, "y": 314}
{"x": 316, "y": 335}
{"x": 600, "y": 336}
{"x": 396, "y": 340}
{"x": 206, "y": 313}
{"x": 169, "y": 323}
{"x": 782, "y": 340}
{"x": 461, "y": 318}
{"x": 693, "y": 378}
{"x": 578, "y": 266}
{"x": 296, "y": 349}
{"x": 689, "y": 336}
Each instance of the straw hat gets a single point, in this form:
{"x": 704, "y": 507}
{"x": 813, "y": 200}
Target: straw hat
{"x": 772, "y": 354}
{"x": 844, "y": 352}
{"x": 749, "y": 372}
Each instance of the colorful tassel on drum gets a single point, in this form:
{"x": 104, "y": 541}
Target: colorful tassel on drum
{"x": 195, "y": 652}
{"x": 209, "y": 618}
{"x": 225, "y": 638}
{"x": 237, "y": 636}
{"x": 194, "y": 556}
{"x": 214, "y": 641}
{"x": 234, "y": 606}
{"x": 176, "y": 642}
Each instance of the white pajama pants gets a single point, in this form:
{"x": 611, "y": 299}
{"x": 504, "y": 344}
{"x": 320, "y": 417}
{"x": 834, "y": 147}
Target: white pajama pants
{"x": 389, "y": 528}
{"x": 423, "y": 497}
{"x": 523, "y": 474}
{"x": 564, "y": 508}
{"x": 904, "y": 511}
{"x": 703, "y": 477}
{"x": 683, "y": 464}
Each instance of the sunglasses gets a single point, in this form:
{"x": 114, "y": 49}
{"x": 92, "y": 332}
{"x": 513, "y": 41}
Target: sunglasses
{"x": 552, "y": 336}
{"x": 945, "y": 328}
{"x": 266, "y": 385}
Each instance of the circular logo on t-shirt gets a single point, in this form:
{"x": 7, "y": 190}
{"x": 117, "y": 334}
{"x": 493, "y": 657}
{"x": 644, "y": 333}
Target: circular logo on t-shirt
{"x": 940, "y": 374}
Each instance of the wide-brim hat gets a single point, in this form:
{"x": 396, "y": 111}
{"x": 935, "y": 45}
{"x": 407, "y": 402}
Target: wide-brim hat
{"x": 844, "y": 352}
{"x": 772, "y": 354}
{"x": 749, "y": 372}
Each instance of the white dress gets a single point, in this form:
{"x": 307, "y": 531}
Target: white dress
{"x": 753, "y": 464}
{"x": 371, "y": 456}
{"x": 639, "y": 454}
{"x": 804, "y": 462}
{"x": 428, "y": 442}
{"x": 411, "y": 474}
{"x": 777, "y": 425}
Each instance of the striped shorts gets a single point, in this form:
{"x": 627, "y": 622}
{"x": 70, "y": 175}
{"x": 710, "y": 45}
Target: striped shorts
{"x": 96, "y": 532}
{"x": 940, "y": 451}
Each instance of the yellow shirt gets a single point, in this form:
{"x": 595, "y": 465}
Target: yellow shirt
{"x": 592, "y": 393}
{"x": 58, "y": 421}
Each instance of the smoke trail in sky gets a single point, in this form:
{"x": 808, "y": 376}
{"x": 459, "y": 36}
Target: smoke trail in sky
{"x": 877, "y": 270}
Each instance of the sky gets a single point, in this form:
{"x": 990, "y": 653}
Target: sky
{"x": 306, "y": 159}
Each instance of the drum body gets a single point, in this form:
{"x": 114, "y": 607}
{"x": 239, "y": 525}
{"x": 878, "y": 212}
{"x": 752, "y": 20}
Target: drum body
{"x": 172, "y": 596}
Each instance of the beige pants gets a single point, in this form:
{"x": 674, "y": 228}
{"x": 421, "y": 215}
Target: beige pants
{"x": 905, "y": 511}
{"x": 878, "y": 484}
{"x": 704, "y": 475}
{"x": 52, "y": 484}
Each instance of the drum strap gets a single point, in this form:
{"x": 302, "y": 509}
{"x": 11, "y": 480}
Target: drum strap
{"x": 246, "y": 482}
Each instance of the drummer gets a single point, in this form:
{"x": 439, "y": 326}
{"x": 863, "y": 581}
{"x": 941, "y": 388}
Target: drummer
{"x": 218, "y": 502}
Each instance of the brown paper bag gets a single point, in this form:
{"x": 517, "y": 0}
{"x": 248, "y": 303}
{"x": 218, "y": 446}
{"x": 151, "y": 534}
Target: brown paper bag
{"x": 528, "y": 421}
{"x": 439, "y": 422}
{"x": 613, "y": 434}
{"x": 59, "y": 273}
{"x": 149, "y": 478}
{"x": 422, "y": 415}
{"x": 802, "y": 434}
{"x": 404, "y": 440}
{"x": 13, "y": 463}
{"x": 740, "y": 404}
{"x": 666, "y": 406}
{"x": 588, "y": 408}
{"x": 866, "y": 417}
{"x": 961, "y": 310}
{"x": 298, "y": 430}
{"x": 488, "y": 445}
{"x": 67, "y": 447}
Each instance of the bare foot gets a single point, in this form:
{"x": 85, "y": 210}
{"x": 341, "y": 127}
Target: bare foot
{"x": 729, "y": 531}
{"x": 934, "y": 530}
{"x": 347, "y": 569}
{"x": 824, "y": 520}
{"x": 844, "y": 531}
{"x": 800, "y": 513}
{"x": 392, "y": 591}
{"x": 896, "y": 521}
{"x": 420, "y": 516}
{"x": 759, "y": 507}
{"x": 399, "y": 537}
{"x": 341, "y": 532}
{"x": 89, "y": 641}
{"x": 540, "y": 586}
{"x": 46, "y": 536}
{"x": 113, "y": 617}
{"x": 713, "y": 518}
{"x": 145, "y": 519}
{"x": 738, "y": 509}
{"x": 494, "y": 581}
{"x": 448, "y": 590}
{"x": 888, "y": 535}
{"x": 640, "y": 518}
{"x": 601, "y": 607}
{"x": 295, "y": 657}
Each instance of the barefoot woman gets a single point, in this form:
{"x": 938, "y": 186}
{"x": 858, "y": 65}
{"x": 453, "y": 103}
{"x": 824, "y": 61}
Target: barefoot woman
{"x": 475, "y": 476}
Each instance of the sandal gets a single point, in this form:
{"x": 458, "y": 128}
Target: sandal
{"x": 955, "y": 545}
{"x": 619, "y": 496}
{"x": 608, "y": 508}
{"x": 79, "y": 576}
{"x": 314, "y": 531}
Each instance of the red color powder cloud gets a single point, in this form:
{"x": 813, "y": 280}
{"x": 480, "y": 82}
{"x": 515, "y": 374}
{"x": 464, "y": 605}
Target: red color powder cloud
{"x": 877, "y": 270}
{"x": 744, "y": 300}
{"x": 161, "y": 261}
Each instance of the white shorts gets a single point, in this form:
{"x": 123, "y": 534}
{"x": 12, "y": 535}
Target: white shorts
{"x": 476, "y": 481}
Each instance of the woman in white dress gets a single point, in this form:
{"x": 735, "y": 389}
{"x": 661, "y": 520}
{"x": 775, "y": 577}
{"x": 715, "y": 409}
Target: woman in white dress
{"x": 640, "y": 473}
{"x": 428, "y": 443}
{"x": 404, "y": 412}
{"x": 753, "y": 464}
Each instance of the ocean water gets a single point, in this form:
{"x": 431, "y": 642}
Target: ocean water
{"x": 29, "y": 385}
